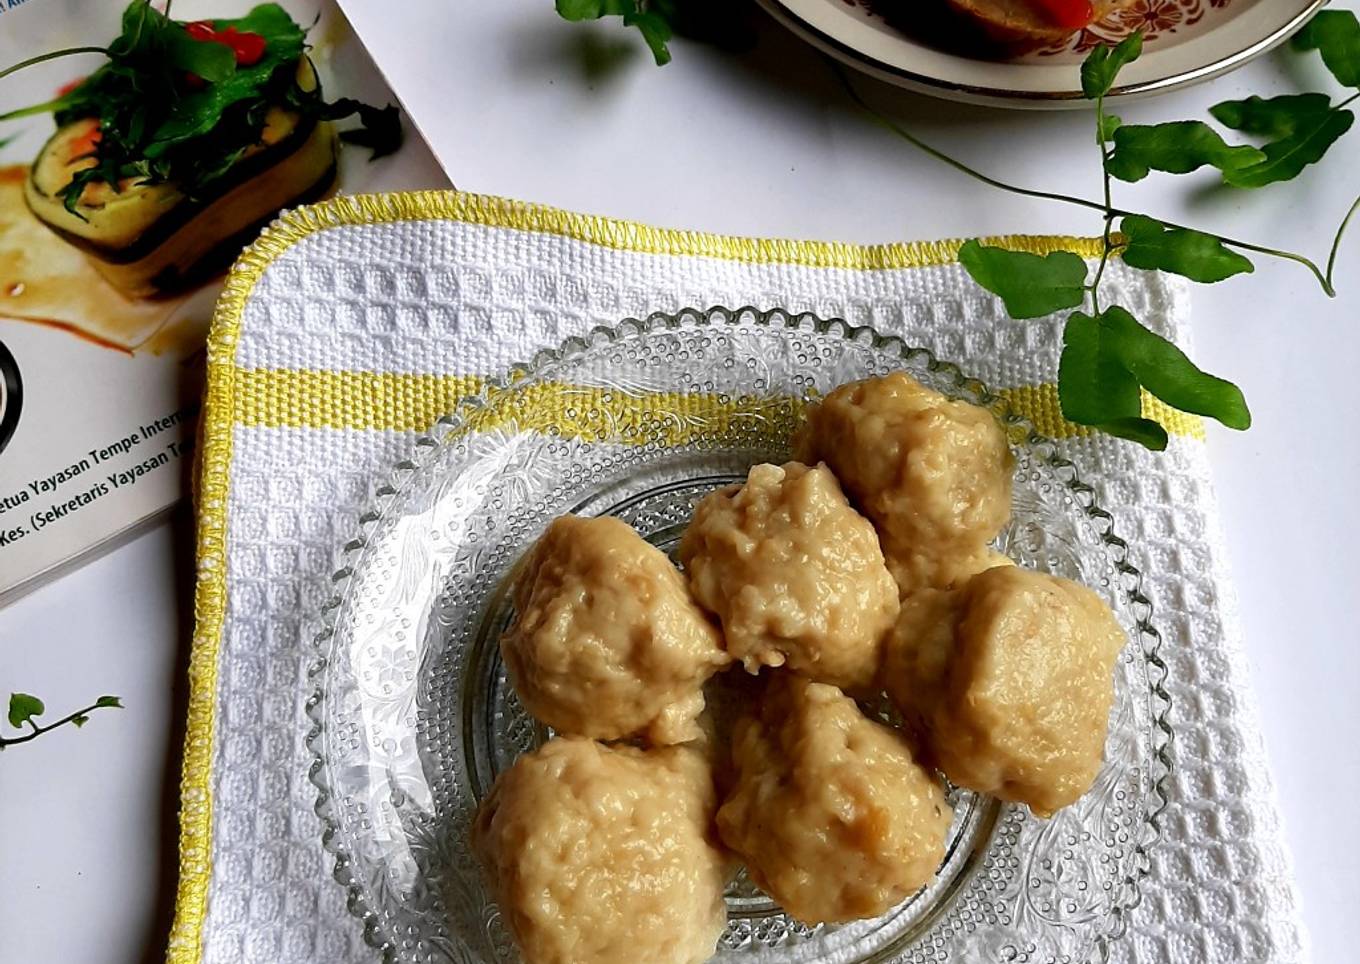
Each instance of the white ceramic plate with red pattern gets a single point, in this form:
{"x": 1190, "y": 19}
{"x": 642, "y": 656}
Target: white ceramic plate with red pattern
{"x": 1186, "y": 41}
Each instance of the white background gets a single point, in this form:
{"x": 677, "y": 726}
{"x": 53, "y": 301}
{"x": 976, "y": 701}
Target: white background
{"x": 761, "y": 143}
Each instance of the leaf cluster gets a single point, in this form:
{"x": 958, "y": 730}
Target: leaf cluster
{"x": 1293, "y": 130}
{"x": 1110, "y": 358}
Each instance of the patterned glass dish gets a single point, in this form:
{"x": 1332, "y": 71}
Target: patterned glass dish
{"x": 413, "y": 718}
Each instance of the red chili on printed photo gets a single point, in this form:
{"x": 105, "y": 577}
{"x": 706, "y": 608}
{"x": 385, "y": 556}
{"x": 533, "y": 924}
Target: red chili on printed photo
{"x": 248, "y": 47}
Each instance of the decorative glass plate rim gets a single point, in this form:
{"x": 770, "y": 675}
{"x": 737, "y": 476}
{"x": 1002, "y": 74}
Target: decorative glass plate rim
{"x": 519, "y": 374}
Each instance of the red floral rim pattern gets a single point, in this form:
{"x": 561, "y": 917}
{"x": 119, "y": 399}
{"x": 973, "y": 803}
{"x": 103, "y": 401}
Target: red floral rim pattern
{"x": 1156, "y": 18}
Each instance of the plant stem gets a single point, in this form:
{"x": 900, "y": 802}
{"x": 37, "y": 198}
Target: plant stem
{"x": 1106, "y": 208}
{"x": 1340, "y": 233}
{"x": 40, "y": 730}
{"x": 1322, "y": 279}
{"x": 956, "y": 164}
{"x": 42, "y": 58}
{"x": 1105, "y": 246}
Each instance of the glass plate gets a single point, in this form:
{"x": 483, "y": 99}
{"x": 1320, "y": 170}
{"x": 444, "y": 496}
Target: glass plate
{"x": 412, "y": 716}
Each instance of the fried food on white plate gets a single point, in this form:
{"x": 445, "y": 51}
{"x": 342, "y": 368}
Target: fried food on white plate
{"x": 1008, "y": 683}
{"x": 794, "y": 573}
{"x": 605, "y": 855}
{"x": 607, "y": 642}
{"x": 932, "y": 474}
{"x": 834, "y": 818}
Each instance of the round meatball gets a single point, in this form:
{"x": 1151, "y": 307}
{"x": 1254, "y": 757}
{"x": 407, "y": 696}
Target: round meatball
{"x": 607, "y": 642}
{"x": 933, "y": 475}
{"x": 605, "y": 854}
{"x": 1008, "y": 682}
{"x": 794, "y": 574}
{"x": 834, "y": 818}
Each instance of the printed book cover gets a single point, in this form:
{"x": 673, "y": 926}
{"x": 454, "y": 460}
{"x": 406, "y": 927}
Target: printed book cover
{"x": 129, "y": 180}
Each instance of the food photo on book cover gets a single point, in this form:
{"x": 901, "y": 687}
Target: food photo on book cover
{"x": 140, "y": 152}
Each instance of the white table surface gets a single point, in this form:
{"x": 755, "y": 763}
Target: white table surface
{"x": 517, "y": 104}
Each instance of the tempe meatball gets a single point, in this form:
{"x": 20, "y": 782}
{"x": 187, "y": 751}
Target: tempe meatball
{"x": 604, "y": 855}
{"x": 794, "y": 574}
{"x": 834, "y": 818}
{"x": 1008, "y": 683}
{"x": 933, "y": 475}
{"x": 607, "y": 642}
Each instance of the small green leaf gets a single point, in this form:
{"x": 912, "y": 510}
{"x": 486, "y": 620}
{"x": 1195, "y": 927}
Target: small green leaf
{"x": 1300, "y": 128}
{"x": 80, "y": 721}
{"x": 654, "y": 26}
{"x": 212, "y": 61}
{"x": 1102, "y": 65}
{"x": 1030, "y": 285}
{"x": 1336, "y": 33}
{"x": 1192, "y": 254}
{"x": 1147, "y": 433}
{"x": 577, "y": 10}
{"x": 1106, "y": 126}
{"x": 1168, "y": 374}
{"x": 109, "y": 701}
{"x": 1178, "y": 147}
{"x": 656, "y": 31}
{"x": 1094, "y": 388}
{"x": 23, "y": 707}
{"x": 1285, "y": 159}
{"x": 138, "y": 25}
{"x": 1107, "y": 357}
{"x": 1271, "y": 118}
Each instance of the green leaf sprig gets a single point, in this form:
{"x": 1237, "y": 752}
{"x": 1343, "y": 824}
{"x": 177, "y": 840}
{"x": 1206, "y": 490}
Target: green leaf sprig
{"x": 24, "y": 709}
{"x": 654, "y": 19}
{"x": 173, "y": 107}
{"x": 1109, "y": 358}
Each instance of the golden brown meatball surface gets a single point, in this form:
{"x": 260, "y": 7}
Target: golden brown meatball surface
{"x": 1009, "y": 683}
{"x": 932, "y": 474}
{"x": 604, "y": 855}
{"x": 607, "y": 642}
{"x": 794, "y": 574}
{"x": 834, "y": 818}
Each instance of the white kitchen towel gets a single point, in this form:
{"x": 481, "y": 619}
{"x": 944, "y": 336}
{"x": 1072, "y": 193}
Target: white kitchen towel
{"x": 352, "y": 325}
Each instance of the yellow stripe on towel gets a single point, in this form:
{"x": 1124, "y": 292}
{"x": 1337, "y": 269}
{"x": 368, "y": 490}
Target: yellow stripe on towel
{"x": 285, "y": 398}
{"x": 1039, "y": 404}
